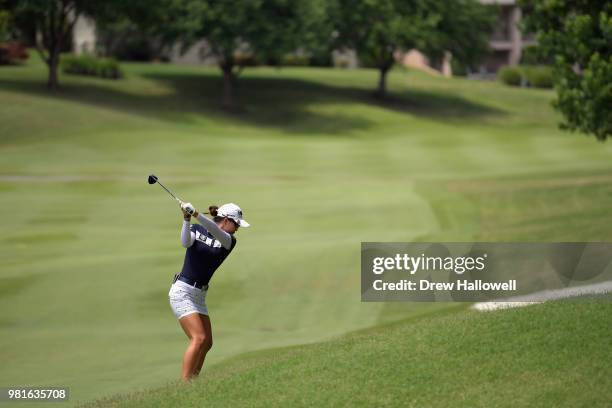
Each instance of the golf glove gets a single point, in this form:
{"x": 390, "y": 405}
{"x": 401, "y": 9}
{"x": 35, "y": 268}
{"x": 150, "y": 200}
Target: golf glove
{"x": 189, "y": 209}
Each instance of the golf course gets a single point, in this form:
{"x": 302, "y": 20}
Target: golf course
{"x": 319, "y": 165}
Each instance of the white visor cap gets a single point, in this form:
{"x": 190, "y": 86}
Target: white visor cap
{"x": 234, "y": 212}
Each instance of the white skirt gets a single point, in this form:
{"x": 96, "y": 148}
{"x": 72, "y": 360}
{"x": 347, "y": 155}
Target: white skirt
{"x": 186, "y": 299}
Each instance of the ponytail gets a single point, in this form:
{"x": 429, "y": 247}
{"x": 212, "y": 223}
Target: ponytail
{"x": 212, "y": 210}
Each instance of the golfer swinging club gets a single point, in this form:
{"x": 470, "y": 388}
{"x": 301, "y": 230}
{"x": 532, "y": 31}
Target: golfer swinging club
{"x": 208, "y": 244}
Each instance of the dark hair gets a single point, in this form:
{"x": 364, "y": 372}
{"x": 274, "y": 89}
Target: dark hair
{"x": 212, "y": 210}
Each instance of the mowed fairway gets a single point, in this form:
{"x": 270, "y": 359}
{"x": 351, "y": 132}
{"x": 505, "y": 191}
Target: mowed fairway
{"x": 318, "y": 165}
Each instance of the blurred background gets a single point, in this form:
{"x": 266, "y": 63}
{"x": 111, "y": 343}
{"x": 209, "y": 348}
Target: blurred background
{"x": 329, "y": 122}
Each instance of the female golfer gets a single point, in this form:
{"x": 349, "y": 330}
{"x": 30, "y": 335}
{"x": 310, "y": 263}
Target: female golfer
{"x": 208, "y": 244}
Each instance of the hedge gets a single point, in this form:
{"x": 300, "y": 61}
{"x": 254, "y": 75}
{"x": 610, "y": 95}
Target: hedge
{"x": 539, "y": 76}
{"x": 510, "y": 75}
{"x": 527, "y": 75}
{"x": 90, "y": 65}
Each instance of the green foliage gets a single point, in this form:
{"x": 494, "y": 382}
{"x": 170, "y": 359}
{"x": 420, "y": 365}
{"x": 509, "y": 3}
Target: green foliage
{"x": 459, "y": 69}
{"x": 526, "y": 75}
{"x": 296, "y": 60}
{"x": 585, "y": 99}
{"x": 538, "y": 76}
{"x": 5, "y": 18}
{"x": 55, "y": 20}
{"x": 92, "y": 66}
{"x": 317, "y": 30}
{"x": 265, "y": 29}
{"x": 128, "y": 41}
{"x": 268, "y": 29}
{"x": 368, "y": 60}
{"x": 376, "y": 29}
{"x": 578, "y": 35}
{"x": 462, "y": 27}
{"x": 532, "y": 55}
{"x": 510, "y": 75}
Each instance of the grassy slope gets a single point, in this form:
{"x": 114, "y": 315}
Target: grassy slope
{"x": 317, "y": 164}
{"x": 554, "y": 354}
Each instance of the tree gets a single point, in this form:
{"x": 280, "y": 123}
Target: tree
{"x": 5, "y": 19}
{"x": 267, "y": 29}
{"x": 578, "y": 36}
{"x": 461, "y": 27}
{"x": 127, "y": 40}
{"x": 376, "y": 29}
{"x": 54, "y": 20}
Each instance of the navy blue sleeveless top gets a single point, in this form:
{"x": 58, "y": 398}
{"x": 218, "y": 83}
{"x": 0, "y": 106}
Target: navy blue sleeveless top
{"x": 205, "y": 255}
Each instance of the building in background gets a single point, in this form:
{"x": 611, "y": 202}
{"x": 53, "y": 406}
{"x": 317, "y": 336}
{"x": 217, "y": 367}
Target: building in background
{"x": 506, "y": 44}
{"x": 198, "y": 53}
{"x": 84, "y": 36}
{"x": 416, "y": 59}
{"x": 507, "y": 41}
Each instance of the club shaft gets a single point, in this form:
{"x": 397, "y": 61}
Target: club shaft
{"x": 169, "y": 192}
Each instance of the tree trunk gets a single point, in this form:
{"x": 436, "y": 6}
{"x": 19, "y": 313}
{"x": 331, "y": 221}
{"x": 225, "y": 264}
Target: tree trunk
{"x": 228, "y": 85}
{"x": 53, "y": 63}
{"x": 382, "y": 82}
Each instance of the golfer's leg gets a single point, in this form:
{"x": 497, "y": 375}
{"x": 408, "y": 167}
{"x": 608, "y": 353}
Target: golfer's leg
{"x": 192, "y": 324}
{"x": 207, "y": 344}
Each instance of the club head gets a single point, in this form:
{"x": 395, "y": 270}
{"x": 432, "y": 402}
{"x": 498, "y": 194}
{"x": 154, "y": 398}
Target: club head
{"x": 152, "y": 179}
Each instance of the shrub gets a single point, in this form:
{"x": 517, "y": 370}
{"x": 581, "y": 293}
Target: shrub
{"x": 527, "y": 75}
{"x": 83, "y": 65}
{"x": 510, "y": 75}
{"x": 90, "y": 65}
{"x": 296, "y": 60}
{"x": 108, "y": 68}
{"x": 459, "y": 69}
{"x": 538, "y": 76}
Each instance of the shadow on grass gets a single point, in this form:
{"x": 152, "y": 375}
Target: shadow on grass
{"x": 291, "y": 105}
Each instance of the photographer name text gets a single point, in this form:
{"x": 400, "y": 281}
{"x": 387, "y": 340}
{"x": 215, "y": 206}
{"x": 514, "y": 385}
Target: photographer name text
{"x": 464, "y": 285}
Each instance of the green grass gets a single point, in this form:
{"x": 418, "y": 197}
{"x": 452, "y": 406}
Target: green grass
{"x": 555, "y": 354}
{"x": 318, "y": 165}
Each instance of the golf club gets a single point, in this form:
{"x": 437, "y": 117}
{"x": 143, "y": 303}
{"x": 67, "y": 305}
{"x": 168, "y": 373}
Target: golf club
{"x": 153, "y": 179}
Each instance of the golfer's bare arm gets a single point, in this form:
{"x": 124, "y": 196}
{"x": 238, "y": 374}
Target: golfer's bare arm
{"x": 188, "y": 237}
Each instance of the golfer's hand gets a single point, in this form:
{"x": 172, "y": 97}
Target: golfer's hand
{"x": 186, "y": 215}
{"x": 189, "y": 209}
